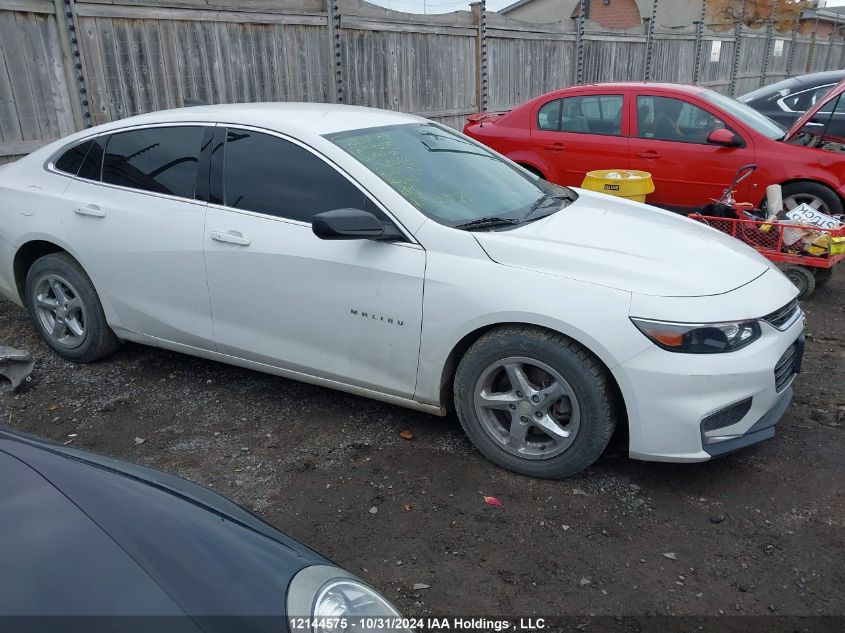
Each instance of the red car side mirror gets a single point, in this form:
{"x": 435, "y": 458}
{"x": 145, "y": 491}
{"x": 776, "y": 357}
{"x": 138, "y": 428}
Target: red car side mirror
{"x": 723, "y": 136}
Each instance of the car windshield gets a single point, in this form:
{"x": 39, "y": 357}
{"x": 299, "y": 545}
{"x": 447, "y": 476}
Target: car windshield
{"x": 753, "y": 119}
{"x": 447, "y": 176}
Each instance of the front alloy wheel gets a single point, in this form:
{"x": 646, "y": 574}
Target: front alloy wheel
{"x": 534, "y": 401}
{"x": 527, "y": 407}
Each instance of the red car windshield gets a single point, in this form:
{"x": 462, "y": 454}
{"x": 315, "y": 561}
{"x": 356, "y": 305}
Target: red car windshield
{"x": 758, "y": 122}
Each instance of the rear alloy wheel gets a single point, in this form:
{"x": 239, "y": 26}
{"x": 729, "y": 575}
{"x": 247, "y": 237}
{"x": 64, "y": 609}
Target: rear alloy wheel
{"x": 818, "y": 196}
{"x": 802, "y": 278}
{"x": 534, "y": 402}
{"x": 66, "y": 311}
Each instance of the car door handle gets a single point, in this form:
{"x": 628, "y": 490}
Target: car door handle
{"x": 91, "y": 210}
{"x": 556, "y": 147}
{"x": 232, "y": 237}
{"x": 651, "y": 154}
{"x": 814, "y": 124}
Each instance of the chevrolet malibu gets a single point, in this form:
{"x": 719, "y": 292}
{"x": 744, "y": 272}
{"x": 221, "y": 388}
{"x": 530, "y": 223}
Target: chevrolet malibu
{"x": 384, "y": 255}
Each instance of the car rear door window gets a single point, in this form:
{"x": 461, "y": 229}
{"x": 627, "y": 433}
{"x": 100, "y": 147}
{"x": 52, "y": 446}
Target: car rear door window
{"x": 803, "y": 101}
{"x": 548, "y": 118}
{"x": 593, "y": 114}
{"x": 668, "y": 119}
{"x": 156, "y": 159}
{"x": 267, "y": 174}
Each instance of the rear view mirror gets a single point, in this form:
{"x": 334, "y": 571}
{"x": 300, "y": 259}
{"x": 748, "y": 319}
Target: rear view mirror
{"x": 352, "y": 224}
{"x": 723, "y": 136}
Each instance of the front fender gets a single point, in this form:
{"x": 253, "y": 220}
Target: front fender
{"x": 477, "y": 294}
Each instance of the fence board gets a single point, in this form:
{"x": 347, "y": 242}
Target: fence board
{"x": 143, "y": 55}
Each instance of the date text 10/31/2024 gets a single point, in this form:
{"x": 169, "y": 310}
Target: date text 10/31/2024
{"x": 433, "y": 623}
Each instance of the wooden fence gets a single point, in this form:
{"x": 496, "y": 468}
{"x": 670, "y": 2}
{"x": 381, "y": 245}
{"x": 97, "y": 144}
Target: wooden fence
{"x": 68, "y": 64}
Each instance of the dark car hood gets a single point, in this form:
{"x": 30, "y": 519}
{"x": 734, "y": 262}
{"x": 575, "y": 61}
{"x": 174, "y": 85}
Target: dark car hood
{"x": 208, "y": 556}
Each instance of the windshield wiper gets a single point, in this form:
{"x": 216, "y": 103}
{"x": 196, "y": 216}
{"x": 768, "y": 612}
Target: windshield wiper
{"x": 487, "y": 223}
{"x": 546, "y": 198}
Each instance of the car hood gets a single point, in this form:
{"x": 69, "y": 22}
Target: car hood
{"x": 629, "y": 246}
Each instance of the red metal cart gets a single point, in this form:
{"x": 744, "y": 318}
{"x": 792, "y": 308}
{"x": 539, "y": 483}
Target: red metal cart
{"x": 805, "y": 254}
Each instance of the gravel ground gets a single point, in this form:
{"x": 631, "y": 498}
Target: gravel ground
{"x": 759, "y": 532}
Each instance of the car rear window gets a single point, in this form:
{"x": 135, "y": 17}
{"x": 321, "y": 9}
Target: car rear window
{"x": 72, "y": 159}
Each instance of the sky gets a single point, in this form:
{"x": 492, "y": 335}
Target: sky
{"x": 445, "y": 6}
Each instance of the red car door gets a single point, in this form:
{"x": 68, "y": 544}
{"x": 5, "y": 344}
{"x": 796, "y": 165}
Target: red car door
{"x": 579, "y": 133}
{"x": 669, "y": 139}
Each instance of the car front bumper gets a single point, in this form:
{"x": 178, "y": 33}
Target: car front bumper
{"x": 669, "y": 395}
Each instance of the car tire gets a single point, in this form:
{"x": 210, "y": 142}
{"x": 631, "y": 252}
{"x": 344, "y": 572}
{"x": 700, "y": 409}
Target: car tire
{"x": 533, "y": 170}
{"x": 806, "y": 191}
{"x": 802, "y": 278}
{"x": 822, "y": 275}
{"x": 66, "y": 311}
{"x": 519, "y": 372}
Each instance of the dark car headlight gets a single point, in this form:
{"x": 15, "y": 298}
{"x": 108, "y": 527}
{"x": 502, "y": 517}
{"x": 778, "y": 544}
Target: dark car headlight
{"x": 700, "y": 338}
{"x": 325, "y": 599}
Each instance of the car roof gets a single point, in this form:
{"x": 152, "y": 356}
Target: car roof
{"x": 298, "y": 119}
{"x": 821, "y": 78}
{"x": 628, "y": 85}
{"x": 800, "y": 82}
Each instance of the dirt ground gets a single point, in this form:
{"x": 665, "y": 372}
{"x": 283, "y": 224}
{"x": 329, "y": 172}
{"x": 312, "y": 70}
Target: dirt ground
{"x": 759, "y": 532}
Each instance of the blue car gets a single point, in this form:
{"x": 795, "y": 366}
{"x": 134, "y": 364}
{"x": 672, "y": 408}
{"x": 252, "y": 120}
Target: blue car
{"x": 101, "y": 544}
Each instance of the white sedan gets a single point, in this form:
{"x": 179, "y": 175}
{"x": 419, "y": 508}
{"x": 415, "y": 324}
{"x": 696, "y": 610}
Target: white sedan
{"x": 385, "y": 255}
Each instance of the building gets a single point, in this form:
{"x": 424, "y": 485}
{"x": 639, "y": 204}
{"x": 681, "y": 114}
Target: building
{"x": 611, "y": 14}
{"x": 824, "y": 21}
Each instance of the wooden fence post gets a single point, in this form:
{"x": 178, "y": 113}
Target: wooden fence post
{"x": 72, "y": 60}
{"x": 482, "y": 86}
{"x": 812, "y": 52}
{"x": 791, "y": 57}
{"x": 737, "y": 50}
{"x": 830, "y": 45}
{"x": 770, "y": 31}
{"x": 336, "y": 52}
{"x": 578, "y": 75}
{"x": 842, "y": 56}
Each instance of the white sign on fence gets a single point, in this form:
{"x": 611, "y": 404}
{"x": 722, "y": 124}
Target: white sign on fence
{"x": 715, "y": 50}
{"x": 778, "y": 49}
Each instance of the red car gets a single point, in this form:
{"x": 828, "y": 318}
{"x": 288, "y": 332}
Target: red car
{"x": 691, "y": 139}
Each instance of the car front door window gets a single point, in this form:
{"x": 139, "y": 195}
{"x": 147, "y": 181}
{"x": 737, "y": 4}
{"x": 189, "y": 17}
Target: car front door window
{"x": 668, "y": 119}
{"x": 270, "y": 175}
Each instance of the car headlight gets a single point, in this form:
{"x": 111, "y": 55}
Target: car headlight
{"x": 325, "y": 599}
{"x": 699, "y": 338}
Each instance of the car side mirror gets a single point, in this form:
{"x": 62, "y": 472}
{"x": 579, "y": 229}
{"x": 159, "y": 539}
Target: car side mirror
{"x": 352, "y": 224}
{"x": 723, "y": 136}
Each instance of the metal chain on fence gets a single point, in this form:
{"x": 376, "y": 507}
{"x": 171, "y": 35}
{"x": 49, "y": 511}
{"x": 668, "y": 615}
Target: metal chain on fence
{"x": 649, "y": 40}
{"x": 69, "y": 12}
{"x": 699, "y": 43}
{"x": 337, "y": 52}
{"x": 579, "y": 42}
